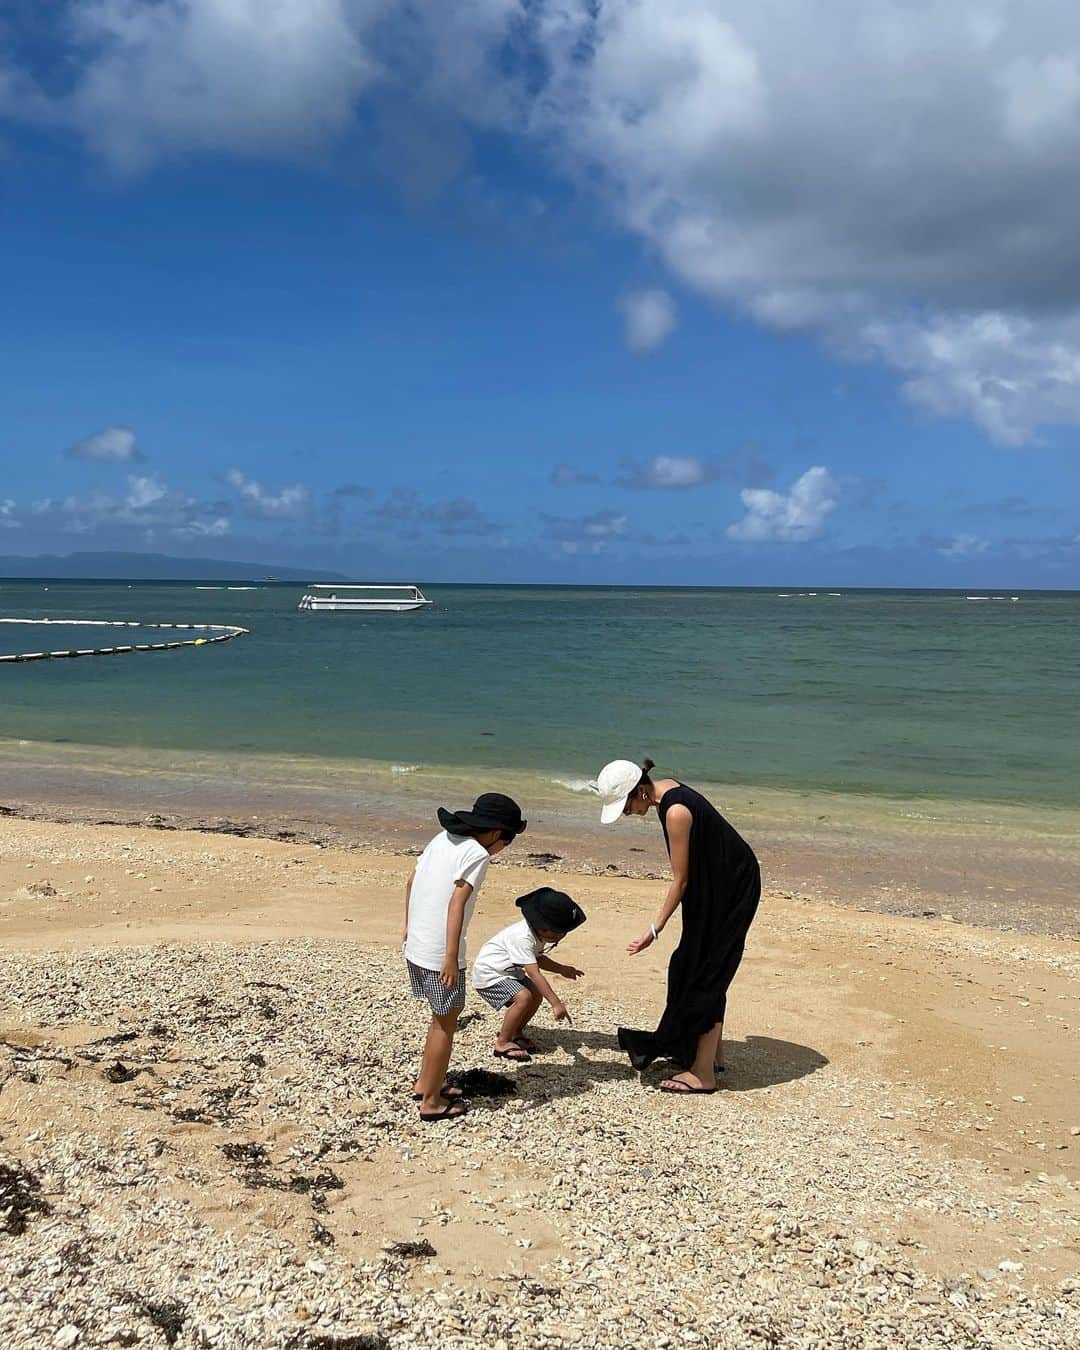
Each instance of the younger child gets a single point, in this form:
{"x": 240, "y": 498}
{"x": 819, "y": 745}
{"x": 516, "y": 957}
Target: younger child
{"x": 507, "y": 970}
{"x": 439, "y": 901}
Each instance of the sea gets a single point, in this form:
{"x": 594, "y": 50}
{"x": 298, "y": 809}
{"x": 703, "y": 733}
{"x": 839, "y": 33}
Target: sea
{"x": 947, "y": 695}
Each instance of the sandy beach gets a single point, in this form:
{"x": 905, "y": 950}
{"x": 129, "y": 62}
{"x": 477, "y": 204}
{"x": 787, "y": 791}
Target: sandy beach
{"x": 207, "y": 1137}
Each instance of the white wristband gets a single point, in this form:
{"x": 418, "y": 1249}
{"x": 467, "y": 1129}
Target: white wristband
{"x": 655, "y": 934}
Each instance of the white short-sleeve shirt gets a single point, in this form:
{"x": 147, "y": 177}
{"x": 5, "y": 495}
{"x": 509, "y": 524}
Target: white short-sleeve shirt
{"x": 448, "y": 859}
{"x": 517, "y": 945}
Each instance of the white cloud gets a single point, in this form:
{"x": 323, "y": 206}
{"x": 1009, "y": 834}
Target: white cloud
{"x": 287, "y": 503}
{"x": 404, "y": 511}
{"x": 111, "y": 445}
{"x": 148, "y": 506}
{"x": 669, "y": 471}
{"x": 7, "y": 515}
{"x": 964, "y": 546}
{"x": 787, "y": 517}
{"x": 209, "y": 529}
{"x": 242, "y": 76}
{"x": 649, "y": 319}
{"x": 897, "y": 180}
{"x": 884, "y": 177}
{"x": 586, "y": 534}
{"x": 1008, "y": 372}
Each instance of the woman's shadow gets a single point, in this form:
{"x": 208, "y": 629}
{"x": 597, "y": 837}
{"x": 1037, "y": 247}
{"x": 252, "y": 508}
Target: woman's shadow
{"x": 754, "y": 1063}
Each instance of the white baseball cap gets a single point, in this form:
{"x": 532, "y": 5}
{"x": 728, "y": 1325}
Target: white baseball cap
{"x": 614, "y": 783}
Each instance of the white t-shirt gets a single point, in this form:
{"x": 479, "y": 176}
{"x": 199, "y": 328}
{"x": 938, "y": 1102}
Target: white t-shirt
{"x": 517, "y": 945}
{"x": 448, "y": 859}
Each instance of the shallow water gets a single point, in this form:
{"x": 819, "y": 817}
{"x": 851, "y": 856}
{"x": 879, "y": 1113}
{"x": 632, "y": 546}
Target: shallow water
{"x": 902, "y": 693}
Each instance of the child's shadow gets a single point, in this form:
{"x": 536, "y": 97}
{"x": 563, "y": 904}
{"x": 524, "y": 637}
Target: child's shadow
{"x": 754, "y": 1063}
{"x": 547, "y": 1076}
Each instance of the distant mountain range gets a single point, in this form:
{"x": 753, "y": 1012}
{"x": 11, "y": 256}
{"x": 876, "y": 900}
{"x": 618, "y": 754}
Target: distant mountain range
{"x": 152, "y": 567}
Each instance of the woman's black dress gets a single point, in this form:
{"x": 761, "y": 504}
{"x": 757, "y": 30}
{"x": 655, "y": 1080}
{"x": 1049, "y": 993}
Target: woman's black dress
{"x": 718, "y": 906}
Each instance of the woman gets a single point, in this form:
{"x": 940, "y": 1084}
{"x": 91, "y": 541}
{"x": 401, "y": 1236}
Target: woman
{"x": 717, "y": 881}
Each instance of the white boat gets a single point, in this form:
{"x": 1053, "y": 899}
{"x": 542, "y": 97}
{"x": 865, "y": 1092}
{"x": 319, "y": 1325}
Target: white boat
{"x": 364, "y": 599}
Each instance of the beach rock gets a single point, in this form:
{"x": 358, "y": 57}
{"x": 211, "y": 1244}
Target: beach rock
{"x": 36, "y": 890}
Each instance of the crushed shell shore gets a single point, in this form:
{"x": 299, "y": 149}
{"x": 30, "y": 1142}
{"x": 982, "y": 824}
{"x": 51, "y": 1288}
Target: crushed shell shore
{"x": 718, "y": 1222}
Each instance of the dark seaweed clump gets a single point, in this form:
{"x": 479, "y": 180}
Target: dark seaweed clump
{"x": 316, "y": 1186}
{"x": 168, "y": 1316}
{"x": 251, "y": 1155}
{"x": 411, "y": 1251}
{"x": 118, "y": 1072}
{"x": 363, "y": 1341}
{"x": 19, "y": 1198}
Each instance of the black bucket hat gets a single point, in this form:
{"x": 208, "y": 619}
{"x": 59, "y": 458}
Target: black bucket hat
{"x": 546, "y": 908}
{"x": 491, "y": 811}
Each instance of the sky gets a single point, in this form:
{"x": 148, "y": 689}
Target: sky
{"x": 707, "y": 292}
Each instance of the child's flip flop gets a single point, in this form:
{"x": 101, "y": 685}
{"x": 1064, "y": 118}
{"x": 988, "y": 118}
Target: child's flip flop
{"x": 518, "y": 1055}
{"x": 448, "y": 1094}
{"x": 448, "y": 1113}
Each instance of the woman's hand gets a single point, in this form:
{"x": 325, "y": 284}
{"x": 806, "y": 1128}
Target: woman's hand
{"x": 639, "y": 944}
{"x": 449, "y": 973}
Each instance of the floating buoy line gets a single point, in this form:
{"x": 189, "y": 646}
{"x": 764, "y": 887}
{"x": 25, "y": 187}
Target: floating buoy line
{"x": 214, "y": 632}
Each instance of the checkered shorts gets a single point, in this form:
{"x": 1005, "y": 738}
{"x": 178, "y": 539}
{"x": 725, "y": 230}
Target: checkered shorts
{"x": 505, "y": 991}
{"x": 427, "y": 984}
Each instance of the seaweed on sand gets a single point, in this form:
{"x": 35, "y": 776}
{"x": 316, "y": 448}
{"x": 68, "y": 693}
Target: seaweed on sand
{"x": 365, "y": 1340}
{"x": 410, "y": 1251}
{"x": 168, "y": 1316}
{"x": 251, "y": 1155}
{"x": 315, "y": 1187}
{"x": 118, "y": 1072}
{"x": 19, "y": 1198}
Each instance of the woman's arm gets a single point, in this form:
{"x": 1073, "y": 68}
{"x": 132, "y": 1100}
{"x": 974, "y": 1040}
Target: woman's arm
{"x": 679, "y": 821}
{"x": 455, "y": 917}
{"x": 558, "y": 1007}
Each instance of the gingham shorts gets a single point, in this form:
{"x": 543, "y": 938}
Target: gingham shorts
{"x": 427, "y": 984}
{"x": 505, "y": 991}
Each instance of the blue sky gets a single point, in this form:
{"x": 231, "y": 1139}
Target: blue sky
{"x": 465, "y": 322}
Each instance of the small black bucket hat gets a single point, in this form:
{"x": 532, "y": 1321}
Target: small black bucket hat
{"x": 491, "y": 811}
{"x": 546, "y": 908}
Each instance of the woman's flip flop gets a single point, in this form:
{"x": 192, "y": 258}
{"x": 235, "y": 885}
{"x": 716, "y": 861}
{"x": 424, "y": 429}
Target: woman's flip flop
{"x": 686, "y": 1089}
{"x": 518, "y": 1055}
{"x": 448, "y": 1113}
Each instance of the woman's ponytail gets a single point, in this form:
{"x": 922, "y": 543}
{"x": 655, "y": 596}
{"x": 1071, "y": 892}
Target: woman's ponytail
{"x": 648, "y": 765}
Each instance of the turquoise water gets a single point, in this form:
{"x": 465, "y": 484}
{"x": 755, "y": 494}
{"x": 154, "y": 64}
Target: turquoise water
{"x": 893, "y": 692}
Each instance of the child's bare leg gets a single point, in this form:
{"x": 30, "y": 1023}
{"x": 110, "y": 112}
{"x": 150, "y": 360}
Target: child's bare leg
{"x": 436, "y": 1058}
{"x": 517, "y": 1017}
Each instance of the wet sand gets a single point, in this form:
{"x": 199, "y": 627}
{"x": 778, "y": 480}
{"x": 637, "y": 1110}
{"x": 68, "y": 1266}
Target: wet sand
{"x": 1011, "y": 867}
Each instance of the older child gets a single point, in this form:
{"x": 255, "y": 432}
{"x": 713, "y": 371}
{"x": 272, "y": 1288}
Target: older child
{"x": 507, "y": 970}
{"x": 439, "y": 901}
